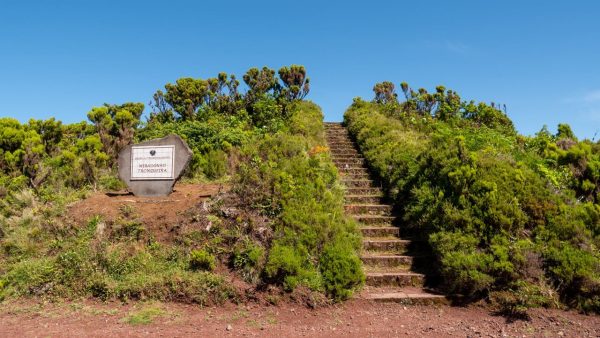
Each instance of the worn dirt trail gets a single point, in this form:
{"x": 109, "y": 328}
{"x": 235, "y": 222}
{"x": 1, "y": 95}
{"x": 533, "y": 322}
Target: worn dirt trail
{"x": 356, "y": 318}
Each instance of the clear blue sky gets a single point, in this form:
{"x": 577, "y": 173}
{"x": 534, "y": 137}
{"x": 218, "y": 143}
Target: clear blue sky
{"x": 541, "y": 58}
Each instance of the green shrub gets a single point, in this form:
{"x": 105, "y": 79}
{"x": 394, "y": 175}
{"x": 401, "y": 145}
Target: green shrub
{"x": 288, "y": 265}
{"x": 289, "y": 179}
{"x": 130, "y": 228}
{"x": 504, "y": 217}
{"x": 111, "y": 182}
{"x": 202, "y": 260}
{"x": 248, "y": 259}
{"x": 519, "y": 297}
{"x": 214, "y": 164}
{"x": 341, "y": 269}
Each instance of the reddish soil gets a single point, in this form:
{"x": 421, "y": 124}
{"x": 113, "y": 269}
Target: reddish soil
{"x": 350, "y": 319}
{"x": 158, "y": 214}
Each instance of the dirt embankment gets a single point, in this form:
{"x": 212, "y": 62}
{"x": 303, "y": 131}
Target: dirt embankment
{"x": 159, "y": 215}
{"x": 162, "y": 216}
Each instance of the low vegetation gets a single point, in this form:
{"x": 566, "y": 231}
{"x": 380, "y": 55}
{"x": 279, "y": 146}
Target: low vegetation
{"x": 510, "y": 218}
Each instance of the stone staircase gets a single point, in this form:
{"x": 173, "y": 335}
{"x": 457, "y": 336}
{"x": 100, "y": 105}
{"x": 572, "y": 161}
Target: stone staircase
{"x": 395, "y": 265}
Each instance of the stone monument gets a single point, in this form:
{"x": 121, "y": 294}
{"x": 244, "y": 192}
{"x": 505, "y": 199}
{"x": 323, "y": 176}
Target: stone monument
{"x": 151, "y": 168}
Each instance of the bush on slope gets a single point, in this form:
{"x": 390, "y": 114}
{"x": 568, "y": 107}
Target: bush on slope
{"x": 290, "y": 177}
{"x": 503, "y": 221}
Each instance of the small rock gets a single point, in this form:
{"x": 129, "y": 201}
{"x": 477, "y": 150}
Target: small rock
{"x": 229, "y": 327}
{"x": 560, "y": 333}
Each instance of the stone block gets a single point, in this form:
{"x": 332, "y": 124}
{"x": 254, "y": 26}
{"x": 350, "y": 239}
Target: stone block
{"x": 151, "y": 168}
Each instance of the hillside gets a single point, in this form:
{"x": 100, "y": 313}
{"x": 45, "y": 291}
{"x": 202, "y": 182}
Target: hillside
{"x": 260, "y": 207}
{"x": 430, "y": 197}
{"x": 511, "y": 219}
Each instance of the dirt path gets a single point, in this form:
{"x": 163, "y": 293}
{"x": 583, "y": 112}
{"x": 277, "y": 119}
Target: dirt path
{"x": 351, "y": 319}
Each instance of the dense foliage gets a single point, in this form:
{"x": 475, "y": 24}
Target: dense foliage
{"x": 510, "y": 218}
{"x": 289, "y": 175}
{"x": 277, "y": 138}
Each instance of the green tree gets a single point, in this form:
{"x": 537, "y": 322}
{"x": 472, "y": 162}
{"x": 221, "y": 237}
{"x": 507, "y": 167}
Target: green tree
{"x": 186, "y": 96}
{"x": 223, "y": 93}
{"x": 260, "y": 82}
{"x": 21, "y": 151}
{"x": 116, "y": 125}
{"x": 385, "y": 93}
{"x": 296, "y": 84}
{"x": 162, "y": 112}
{"x": 50, "y": 131}
{"x": 565, "y": 131}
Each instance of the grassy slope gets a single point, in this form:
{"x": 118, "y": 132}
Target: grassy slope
{"x": 285, "y": 175}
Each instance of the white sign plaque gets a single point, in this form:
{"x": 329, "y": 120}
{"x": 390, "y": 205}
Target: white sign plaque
{"x": 152, "y": 162}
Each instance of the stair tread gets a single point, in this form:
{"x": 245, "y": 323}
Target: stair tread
{"x": 374, "y": 216}
{"x": 364, "y": 196}
{"x": 399, "y": 294}
{"x": 394, "y": 273}
{"x": 386, "y": 240}
{"x": 376, "y": 227}
{"x": 391, "y": 255}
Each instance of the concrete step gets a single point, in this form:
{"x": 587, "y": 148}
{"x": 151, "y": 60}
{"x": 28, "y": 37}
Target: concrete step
{"x": 338, "y": 149}
{"x": 340, "y": 142}
{"x": 346, "y": 156}
{"x": 398, "y": 278}
{"x": 368, "y": 231}
{"x": 334, "y": 142}
{"x": 368, "y": 209}
{"x": 358, "y": 183}
{"x": 347, "y": 162}
{"x": 341, "y": 146}
{"x": 386, "y": 245}
{"x": 403, "y": 295}
{"x": 340, "y": 160}
{"x": 374, "y": 219}
{"x": 352, "y": 169}
{"x": 389, "y": 260}
{"x": 364, "y": 199}
{"x": 355, "y": 176}
{"x": 344, "y": 152}
{"x": 353, "y": 191}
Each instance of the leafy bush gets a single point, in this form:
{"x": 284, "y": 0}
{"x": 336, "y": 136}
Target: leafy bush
{"x": 281, "y": 177}
{"x": 248, "y": 259}
{"x": 202, "y": 260}
{"x": 341, "y": 269}
{"x": 508, "y": 217}
{"x": 214, "y": 165}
